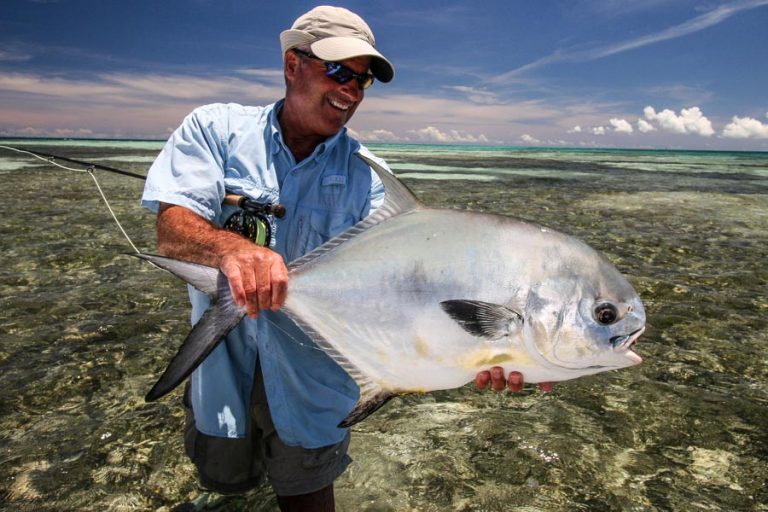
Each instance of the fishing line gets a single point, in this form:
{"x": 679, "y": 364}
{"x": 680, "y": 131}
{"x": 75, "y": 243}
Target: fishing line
{"x": 45, "y": 157}
{"x": 291, "y": 336}
{"x": 49, "y": 158}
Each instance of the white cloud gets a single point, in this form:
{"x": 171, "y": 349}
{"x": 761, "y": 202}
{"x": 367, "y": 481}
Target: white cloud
{"x": 690, "y": 121}
{"x": 644, "y": 126}
{"x": 10, "y": 55}
{"x": 745, "y": 128}
{"x": 528, "y": 139}
{"x": 143, "y": 105}
{"x": 375, "y": 136}
{"x": 575, "y": 129}
{"x": 598, "y": 130}
{"x": 127, "y": 89}
{"x": 273, "y": 75}
{"x": 476, "y": 95}
{"x": 30, "y": 131}
{"x": 701, "y": 22}
{"x": 577, "y": 54}
{"x": 432, "y": 134}
{"x": 621, "y": 125}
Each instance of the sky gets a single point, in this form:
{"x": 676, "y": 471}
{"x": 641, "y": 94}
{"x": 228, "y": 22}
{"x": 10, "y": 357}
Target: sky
{"x": 560, "y": 73}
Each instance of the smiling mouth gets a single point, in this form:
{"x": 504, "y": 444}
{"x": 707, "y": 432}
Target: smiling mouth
{"x": 340, "y": 105}
{"x": 625, "y": 342}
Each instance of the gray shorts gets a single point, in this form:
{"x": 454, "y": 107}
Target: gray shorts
{"x": 233, "y": 466}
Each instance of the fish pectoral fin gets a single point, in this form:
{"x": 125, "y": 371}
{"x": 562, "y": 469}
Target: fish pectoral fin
{"x": 483, "y": 319}
{"x": 367, "y": 405}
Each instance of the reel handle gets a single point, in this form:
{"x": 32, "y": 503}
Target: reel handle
{"x": 245, "y": 203}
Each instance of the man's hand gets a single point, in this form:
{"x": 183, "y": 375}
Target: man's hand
{"x": 495, "y": 377}
{"x": 258, "y": 279}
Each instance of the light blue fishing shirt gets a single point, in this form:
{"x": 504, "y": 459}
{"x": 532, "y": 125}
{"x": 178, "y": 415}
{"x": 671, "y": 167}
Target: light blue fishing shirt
{"x": 240, "y": 149}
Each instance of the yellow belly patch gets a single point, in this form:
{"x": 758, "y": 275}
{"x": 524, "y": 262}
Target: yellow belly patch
{"x": 421, "y": 346}
{"x": 488, "y": 358}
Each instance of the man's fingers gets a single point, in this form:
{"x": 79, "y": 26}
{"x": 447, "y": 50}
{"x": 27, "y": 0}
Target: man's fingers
{"x": 279, "y": 285}
{"x": 258, "y": 279}
{"x": 482, "y": 379}
{"x": 236, "y": 287}
{"x": 263, "y": 295}
{"x": 498, "y": 382}
{"x": 515, "y": 381}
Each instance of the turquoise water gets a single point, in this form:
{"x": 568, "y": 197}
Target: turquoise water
{"x": 87, "y": 330}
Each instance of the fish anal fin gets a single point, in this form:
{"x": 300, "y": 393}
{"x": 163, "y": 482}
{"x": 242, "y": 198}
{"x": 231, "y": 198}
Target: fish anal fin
{"x": 367, "y": 405}
{"x": 372, "y": 394}
{"x": 483, "y": 319}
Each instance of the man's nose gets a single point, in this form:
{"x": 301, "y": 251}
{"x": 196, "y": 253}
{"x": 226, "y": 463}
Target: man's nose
{"x": 353, "y": 89}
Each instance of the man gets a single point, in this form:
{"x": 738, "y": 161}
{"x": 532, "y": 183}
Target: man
{"x": 266, "y": 402}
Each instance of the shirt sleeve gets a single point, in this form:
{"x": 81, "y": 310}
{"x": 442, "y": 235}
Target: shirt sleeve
{"x": 189, "y": 171}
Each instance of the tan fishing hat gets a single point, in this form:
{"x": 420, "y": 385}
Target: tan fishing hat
{"x": 334, "y": 34}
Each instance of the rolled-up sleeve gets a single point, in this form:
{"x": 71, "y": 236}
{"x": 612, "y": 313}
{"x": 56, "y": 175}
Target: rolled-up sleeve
{"x": 189, "y": 171}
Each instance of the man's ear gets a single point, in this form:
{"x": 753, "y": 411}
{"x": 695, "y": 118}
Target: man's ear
{"x": 291, "y": 64}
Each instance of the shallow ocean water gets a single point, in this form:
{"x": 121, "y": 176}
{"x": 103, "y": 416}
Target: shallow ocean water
{"x": 86, "y": 330}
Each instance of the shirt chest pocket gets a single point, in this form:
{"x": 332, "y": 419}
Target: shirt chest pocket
{"x": 333, "y": 191}
{"x": 316, "y": 227}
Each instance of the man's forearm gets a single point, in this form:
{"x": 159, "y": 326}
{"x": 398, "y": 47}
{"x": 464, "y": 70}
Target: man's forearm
{"x": 183, "y": 234}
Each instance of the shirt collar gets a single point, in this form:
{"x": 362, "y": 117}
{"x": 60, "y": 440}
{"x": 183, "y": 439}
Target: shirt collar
{"x": 274, "y": 127}
{"x": 322, "y": 149}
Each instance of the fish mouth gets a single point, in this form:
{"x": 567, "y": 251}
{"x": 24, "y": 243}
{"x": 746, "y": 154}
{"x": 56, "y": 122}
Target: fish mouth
{"x": 627, "y": 341}
{"x": 621, "y": 348}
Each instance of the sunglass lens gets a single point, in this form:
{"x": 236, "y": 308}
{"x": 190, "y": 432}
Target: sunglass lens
{"x": 338, "y": 72}
{"x": 343, "y": 74}
{"x": 365, "y": 82}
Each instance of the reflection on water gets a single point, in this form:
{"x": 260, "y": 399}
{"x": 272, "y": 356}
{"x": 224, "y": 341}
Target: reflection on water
{"x": 86, "y": 331}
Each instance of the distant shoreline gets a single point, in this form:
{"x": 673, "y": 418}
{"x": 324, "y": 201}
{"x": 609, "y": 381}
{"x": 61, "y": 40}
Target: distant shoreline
{"x": 399, "y": 145}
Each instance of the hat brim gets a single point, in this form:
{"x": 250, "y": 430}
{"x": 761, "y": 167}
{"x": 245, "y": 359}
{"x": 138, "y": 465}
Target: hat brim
{"x": 340, "y": 48}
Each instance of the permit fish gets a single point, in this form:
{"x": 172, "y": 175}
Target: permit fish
{"x": 416, "y": 299}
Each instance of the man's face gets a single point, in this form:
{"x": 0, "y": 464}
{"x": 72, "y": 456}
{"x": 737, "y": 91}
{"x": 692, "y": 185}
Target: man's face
{"x": 324, "y": 105}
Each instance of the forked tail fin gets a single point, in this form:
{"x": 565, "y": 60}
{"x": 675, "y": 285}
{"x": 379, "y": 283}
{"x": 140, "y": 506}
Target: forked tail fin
{"x": 222, "y": 315}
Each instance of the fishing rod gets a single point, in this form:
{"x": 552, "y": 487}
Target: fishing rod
{"x": 52, "y": 158}
{"x": 249, "y": 220}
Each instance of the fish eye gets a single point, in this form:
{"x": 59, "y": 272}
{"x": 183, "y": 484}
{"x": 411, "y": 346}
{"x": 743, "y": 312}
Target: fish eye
{"x": 606, "y": 313}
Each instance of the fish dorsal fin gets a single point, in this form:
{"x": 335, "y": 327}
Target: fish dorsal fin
{"x": 483, "y": 319}
{"x": 201, "y": 277}
{"x": 398, "y": 199}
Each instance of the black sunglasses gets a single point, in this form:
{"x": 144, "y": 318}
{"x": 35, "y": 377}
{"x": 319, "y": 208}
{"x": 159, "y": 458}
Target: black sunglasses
{"x": 339, "y": 72}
